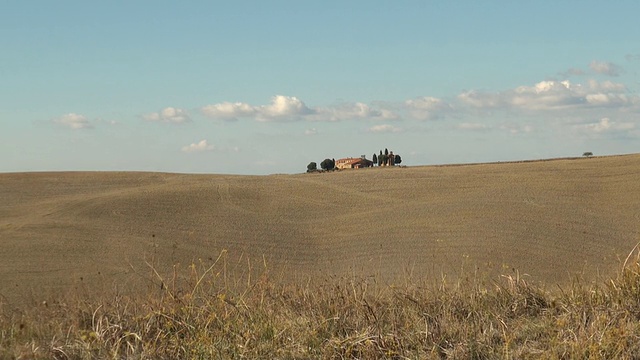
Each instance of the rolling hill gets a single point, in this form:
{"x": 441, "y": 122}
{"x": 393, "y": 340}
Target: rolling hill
{"x": 552, "y": 220}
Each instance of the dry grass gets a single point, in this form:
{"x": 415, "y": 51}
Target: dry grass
{"x": 227, "y": 318}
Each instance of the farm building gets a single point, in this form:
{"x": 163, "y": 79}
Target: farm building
{"x": 353, "y": 163}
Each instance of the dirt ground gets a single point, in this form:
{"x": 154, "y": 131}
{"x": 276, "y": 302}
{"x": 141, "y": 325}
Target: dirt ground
{"x": 549, "y": 220}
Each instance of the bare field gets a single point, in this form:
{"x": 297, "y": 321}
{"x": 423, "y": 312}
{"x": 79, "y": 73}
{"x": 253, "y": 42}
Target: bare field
{"x": 552, "y": 220}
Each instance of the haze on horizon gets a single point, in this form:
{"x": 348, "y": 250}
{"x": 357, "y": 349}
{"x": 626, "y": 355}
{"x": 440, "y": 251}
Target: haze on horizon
{"x": 266, "y": 87}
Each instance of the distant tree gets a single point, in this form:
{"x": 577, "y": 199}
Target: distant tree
{"x": 327, "y": 164}
{"x": 587, "y": 154}
{"x": 398, "y": 159}
{"x": 375, "y": 159}
{"x": 312, "y": 167}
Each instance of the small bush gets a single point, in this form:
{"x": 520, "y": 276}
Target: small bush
{"x": 312, "y": 167}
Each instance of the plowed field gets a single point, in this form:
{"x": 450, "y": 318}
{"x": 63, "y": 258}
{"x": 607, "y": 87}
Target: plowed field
{"x": 551, "y": 220}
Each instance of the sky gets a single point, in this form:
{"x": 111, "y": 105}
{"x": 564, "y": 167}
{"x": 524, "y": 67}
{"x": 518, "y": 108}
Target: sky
{"x": 266, "y": 87}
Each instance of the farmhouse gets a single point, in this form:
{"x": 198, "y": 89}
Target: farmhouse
{"x": 353, "y": 163}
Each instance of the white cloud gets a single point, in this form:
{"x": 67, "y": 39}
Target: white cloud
{"x": 168, "y": 115}
{"x": 228, "y": 111}
{"x": 552, "y": 95}
{"x": 606, "y": 125}
{"x": 485, "y": 100}
{"x": 607, "y": 85}
{"x": 544, "y": 95}
{"x": 312, "y": 131}
{"x": 73, "y": 121}
{"x": 601, "y": 99}
{"x": 281, "y": 108}
{"x": 290, "y": 108}
{"x": 425, "y": 103}
{"x": 198, "y": 147}
{"x": 605, "y": 68}
{"x": 384, "y": 128}
{"x": 472, "y": 126}
{"x": 426, "y": 108}
{"x": 352, "y": 111}
{"x": 551, "y": 106}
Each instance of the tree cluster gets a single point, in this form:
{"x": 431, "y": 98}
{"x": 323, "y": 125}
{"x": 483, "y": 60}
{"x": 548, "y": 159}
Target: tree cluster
{"x": 326, "y": 165}
{"x": 387, "y": 158}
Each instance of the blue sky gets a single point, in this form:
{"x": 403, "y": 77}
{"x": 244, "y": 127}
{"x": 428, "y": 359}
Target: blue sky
{"x": 262, "y": 87}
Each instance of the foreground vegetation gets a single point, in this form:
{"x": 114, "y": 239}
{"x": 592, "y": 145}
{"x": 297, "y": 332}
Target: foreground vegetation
{"x": 205, "y": 314}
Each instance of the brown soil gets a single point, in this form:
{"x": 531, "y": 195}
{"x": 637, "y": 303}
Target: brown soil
{"x": 552, "y": 220}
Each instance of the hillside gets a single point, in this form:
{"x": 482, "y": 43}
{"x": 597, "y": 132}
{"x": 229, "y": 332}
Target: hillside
{"x": 96, "y": 230}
